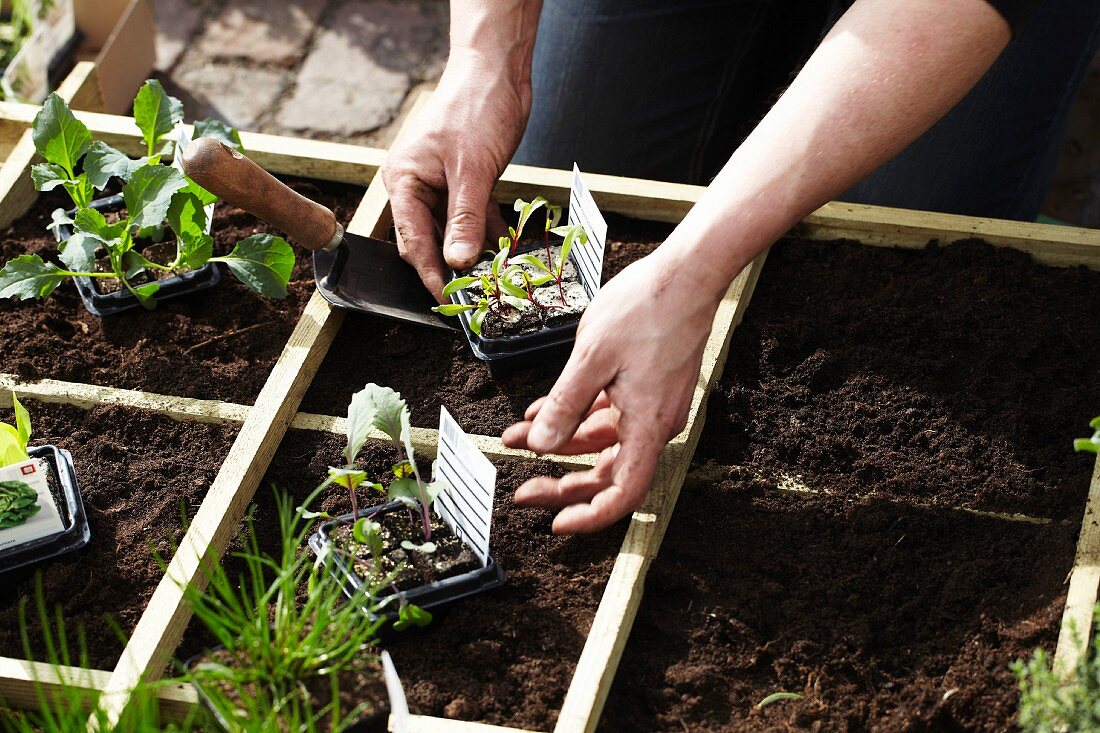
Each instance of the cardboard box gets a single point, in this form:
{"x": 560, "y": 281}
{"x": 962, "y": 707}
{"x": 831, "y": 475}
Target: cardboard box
{"x": 120, "y": 36}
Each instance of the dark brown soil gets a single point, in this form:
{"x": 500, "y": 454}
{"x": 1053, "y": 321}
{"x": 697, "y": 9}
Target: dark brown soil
{"x": 195, "y": 346}
{"x": 137, "y": 472}
{"x": 506, "y": 656}
{"x": 884, "y": 617}
{"x": 431, "y": 367}
{"x": 952, "y": 376}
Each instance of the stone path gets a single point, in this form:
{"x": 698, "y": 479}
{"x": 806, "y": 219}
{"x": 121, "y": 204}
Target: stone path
{"x": 346, "y": 70}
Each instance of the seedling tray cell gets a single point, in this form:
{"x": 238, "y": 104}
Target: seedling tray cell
{"x": 66, "y": 495}
{"x": 121, "y": 301}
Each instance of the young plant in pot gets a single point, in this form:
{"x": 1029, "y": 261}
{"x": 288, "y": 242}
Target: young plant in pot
{"x": 529, "y": 296}
{"x": 41, "y": 512}
{"x": 402, "y": 546}
{"x": 293, "y": 655}
{"x": 118, "y": 248}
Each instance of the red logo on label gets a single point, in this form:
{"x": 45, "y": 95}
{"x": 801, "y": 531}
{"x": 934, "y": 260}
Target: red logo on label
{"x": 27, "y": 470}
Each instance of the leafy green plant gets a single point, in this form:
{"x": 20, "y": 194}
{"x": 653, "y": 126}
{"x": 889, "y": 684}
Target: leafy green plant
{"x": 14, "y": 438}
{"x": 18, "y": 503}
{"x": 1090, "y": 444}
{"x": 155, "y": 196}
{"x": 285, "y": 629}
{"x": 1053, "y": 703}
{"x": 509, "y": 286}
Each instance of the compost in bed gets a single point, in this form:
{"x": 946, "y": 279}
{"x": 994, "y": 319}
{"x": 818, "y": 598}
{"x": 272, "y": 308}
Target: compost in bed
{"x": 217, "y": 344}
{"x": 138, "y": 474}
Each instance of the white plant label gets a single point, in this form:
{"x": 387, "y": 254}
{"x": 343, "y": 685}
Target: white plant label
{"x": 583, "y": 211}
{"x": 399, "y": 706}
{"x": 47, "y": 521}
{"x": 466, "y": 504}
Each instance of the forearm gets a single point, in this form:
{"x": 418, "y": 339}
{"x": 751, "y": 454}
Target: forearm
{"x": 498, "y": 34}
{"x": 886, "y": 72}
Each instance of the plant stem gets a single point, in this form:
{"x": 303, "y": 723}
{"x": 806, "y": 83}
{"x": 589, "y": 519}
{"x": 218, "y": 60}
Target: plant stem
{"x": 425, "y": 518}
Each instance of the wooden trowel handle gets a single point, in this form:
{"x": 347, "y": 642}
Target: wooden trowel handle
{"x": 231, "y": 176}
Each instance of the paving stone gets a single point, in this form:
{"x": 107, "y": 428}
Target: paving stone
{"x": 237, "y": 94}
{"x": 264, "y": 32}
{"x": 177, "y": 23}
{"x": 360, "y": 67}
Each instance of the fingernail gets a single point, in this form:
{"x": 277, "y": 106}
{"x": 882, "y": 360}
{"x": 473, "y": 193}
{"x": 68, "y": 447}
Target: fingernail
{"x": 543, "y": 436}
{"x": 463, "y": 250}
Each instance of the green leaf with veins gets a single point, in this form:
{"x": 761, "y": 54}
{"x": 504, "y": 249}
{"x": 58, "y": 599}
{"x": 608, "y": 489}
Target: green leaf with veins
{"x": 155, "y": 113}
{"x": 453, "y": 309}
{"x": 149, "y": 192}
{"x": 28, "y": 276}
{"x": 203, "y": 195}
{"x": 58, "y": 135}
{"x": 195, "y": 251}
{"x": 145, "y": 295}
{"x": 263, "y": 262}
{"x": 349, "y": 478}
{"x": 48, "y": 176}
{"x": 459, "y": 283}
{"x": 91, "y": 221}
{"x": 405, "y": 491}
{"x": 78, "y": 252}
{"x": 102, "y": 162}
{"x": 186, "y": 215}
{"x": 360, "y": 420}
{"x": 219, "y": 131}
{"x": 378, "y": 407}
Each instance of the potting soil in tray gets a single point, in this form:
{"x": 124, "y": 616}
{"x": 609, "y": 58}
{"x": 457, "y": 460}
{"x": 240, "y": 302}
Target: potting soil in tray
{"x": 505, "y": 656}
{"x": 956, "y": 375}
{"x": 217, "y": 344}
{"x": 137, "y": 472}
{"x": 884, "y": 617}
{"x": 430, "y": 367}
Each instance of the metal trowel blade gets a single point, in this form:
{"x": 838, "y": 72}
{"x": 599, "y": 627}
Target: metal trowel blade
{"x": 368, "y": 275}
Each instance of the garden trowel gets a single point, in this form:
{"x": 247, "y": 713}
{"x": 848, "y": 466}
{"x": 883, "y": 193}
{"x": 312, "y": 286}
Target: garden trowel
{"x": 352, "y": 271}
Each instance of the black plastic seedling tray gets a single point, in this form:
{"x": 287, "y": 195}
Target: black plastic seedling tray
{"x": 522, "y": 349}
{"x": 110, "y": 304}
{"x": 428, "y": 596}
{"x": 76, "y": 532}
{"x": 376, "y": 722}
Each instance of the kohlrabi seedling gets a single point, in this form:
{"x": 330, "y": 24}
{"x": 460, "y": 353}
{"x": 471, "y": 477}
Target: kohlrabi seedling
{"x": 155, "y": 195}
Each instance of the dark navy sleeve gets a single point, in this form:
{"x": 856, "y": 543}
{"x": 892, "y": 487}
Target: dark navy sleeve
{"x": 1016, "y": 12}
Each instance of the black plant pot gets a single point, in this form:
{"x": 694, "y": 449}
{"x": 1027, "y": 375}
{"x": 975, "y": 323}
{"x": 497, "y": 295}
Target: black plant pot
{"x": 109, "y": 304}
{"x": 375, "y": 722}
{"x": 66, "y": 493}
{"x": 522, "y": 349}
{"x": 427, "y": 596}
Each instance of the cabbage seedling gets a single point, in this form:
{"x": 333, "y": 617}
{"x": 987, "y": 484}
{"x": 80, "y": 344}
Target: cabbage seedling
{"x": 154, "y": 194}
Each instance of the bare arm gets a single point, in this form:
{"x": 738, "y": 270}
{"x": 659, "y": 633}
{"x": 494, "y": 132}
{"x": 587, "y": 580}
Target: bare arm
{"x": 440, "y": 174}
{"x": 885, "y": 73}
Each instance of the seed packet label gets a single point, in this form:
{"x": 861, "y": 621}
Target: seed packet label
{"x": 466, "y": 504}
{"x": 399, "y": 705}
{"x": 583, "y": 211}
{"x": 47, "y": 521}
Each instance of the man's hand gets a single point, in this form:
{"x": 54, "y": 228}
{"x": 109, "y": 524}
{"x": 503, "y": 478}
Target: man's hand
{"x": 440, "y": 174}
{"x": 625, "y": 392}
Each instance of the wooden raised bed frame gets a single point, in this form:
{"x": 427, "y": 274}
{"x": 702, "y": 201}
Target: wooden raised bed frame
{"x": 262, "y": 426}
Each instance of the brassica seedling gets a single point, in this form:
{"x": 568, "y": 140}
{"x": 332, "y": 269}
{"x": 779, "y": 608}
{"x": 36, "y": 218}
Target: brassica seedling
{"x": 154, "y": 195}
{"x": 1090, "y": 444}
{"x": 14, "y": 438}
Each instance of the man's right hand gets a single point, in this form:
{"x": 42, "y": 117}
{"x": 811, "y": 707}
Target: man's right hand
{"x": 441, "y": 171}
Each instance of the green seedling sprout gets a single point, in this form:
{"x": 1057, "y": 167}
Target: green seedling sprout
{"x": 18, "y": 501}
{"x": 154, "y": 194}
{"x": 1090, "y": 444}
{"x": 776, "y": 697}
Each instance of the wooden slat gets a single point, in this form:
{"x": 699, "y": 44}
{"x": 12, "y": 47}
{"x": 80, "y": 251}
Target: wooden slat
{"x": 17, "y": 193}
{"x": 21, "y": 681}
{"x": 288, "y": 155}
{"x": 607, "y": 638}
{"x": 1084, "y": 581}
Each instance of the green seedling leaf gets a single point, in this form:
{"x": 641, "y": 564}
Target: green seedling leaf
{"x": 510, "y": 288}
{"x": 219, "y": 131}
{"x": 504, "y": 243}
{"x": 308, "y": 515}
{"x": 427, "y": 548}
{"x": 406, "y": 438}
{"x": 28, "y": 276}
{"x": 48, "y": 176}
{"x": 459, "y": 283}
{"x": 498, "y": 261}
{"x": 58, "y": 135}
{"x": 478, "y": 318}
{"x": 572, "y": 234}
{"x": 149, "y": 192}
{"x": 91, "y": 221}
{"x": 349, "y": 478}
{"x": 776, "y": 697}
{"x": 553, "y": 216}
{"x": 195, "y": 251}
{"x": 103, "y": 162}
{"x": 14, "y": 439}
{"x": 263, "y": 262}
{"x": 538, "y": 282}
{"x": 406, "y": 491}
{"x": 410, "y": 615}
{"x": 1092, "y": 445}
{"x": 59, "y": 218}
{"x": 145, "y": 295}
{"x": 22, "y": 420}
{"x": 525, "y": 210}
{"x": 201, "y": 193}
{"x": 517, "y": 303}
{"x": 79, "y": 190}
{"x": 369, "y": 533}
{"x": 155, "y": 113}
{"x": 387, "y": 407}
{"x": 18, "y": 503}
{"x": 360, "y": 420}
{"x": 186, "y": 215}
{"x": 78, "y": 252}
{"x": 533, "y": 261}
{"x": 453, "y": 309}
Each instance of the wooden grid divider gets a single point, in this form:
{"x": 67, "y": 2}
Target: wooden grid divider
{"x": 263, "y": 425}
